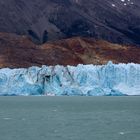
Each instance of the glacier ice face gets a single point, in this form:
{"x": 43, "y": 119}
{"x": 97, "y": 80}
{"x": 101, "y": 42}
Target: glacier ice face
{"x": 83, "y": 80}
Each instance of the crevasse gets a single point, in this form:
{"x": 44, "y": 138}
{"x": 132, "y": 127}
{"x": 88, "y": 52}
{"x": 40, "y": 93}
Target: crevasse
{"x": 82, "y": 80}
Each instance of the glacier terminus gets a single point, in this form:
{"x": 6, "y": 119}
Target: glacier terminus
{"x": 82, "y": 80}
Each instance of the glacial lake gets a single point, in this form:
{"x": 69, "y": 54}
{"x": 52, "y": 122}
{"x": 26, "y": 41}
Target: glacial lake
{"x": 70, "y": 118}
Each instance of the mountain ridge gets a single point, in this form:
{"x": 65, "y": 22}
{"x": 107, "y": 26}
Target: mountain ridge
{"x": 49, "y": 20}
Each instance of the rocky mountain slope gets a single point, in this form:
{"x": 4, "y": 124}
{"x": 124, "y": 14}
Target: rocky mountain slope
{"x": 117, "y": 21}
{"x": 19, "y": 51}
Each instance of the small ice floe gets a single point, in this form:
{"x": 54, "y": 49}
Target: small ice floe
{"x": 121, "y": 133}
{"x": 7, "y": 118}
{"x": 49, "y": 94}
{"x": 54, "y": 110}
{"x": 23, "y": 119}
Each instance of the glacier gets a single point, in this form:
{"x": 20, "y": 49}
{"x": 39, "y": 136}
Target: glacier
{"x": 82, "y": 80}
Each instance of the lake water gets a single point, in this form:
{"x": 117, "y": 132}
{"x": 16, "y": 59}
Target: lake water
{"x": 70, "y": 118}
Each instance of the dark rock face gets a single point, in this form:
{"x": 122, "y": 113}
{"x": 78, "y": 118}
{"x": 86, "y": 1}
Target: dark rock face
{"x": 45, "y": 20}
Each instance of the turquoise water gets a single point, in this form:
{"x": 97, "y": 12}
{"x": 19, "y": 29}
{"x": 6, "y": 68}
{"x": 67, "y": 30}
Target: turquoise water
{"x": 70, "y": 118}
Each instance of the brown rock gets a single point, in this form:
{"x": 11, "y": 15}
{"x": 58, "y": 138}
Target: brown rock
{"x": 19, "y": 51}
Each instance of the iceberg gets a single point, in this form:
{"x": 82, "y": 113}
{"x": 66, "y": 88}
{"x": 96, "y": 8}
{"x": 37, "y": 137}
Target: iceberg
{"x": 82, "y": 80}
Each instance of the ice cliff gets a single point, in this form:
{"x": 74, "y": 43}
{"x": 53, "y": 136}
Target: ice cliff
{"x": 83, "y": 80}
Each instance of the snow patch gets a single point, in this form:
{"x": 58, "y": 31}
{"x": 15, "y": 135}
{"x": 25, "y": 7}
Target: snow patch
{"x": 124, "y": 3}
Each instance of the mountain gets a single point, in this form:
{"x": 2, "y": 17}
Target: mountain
{"x": 19, "y": 51}
{"x": 117, "y": 21}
